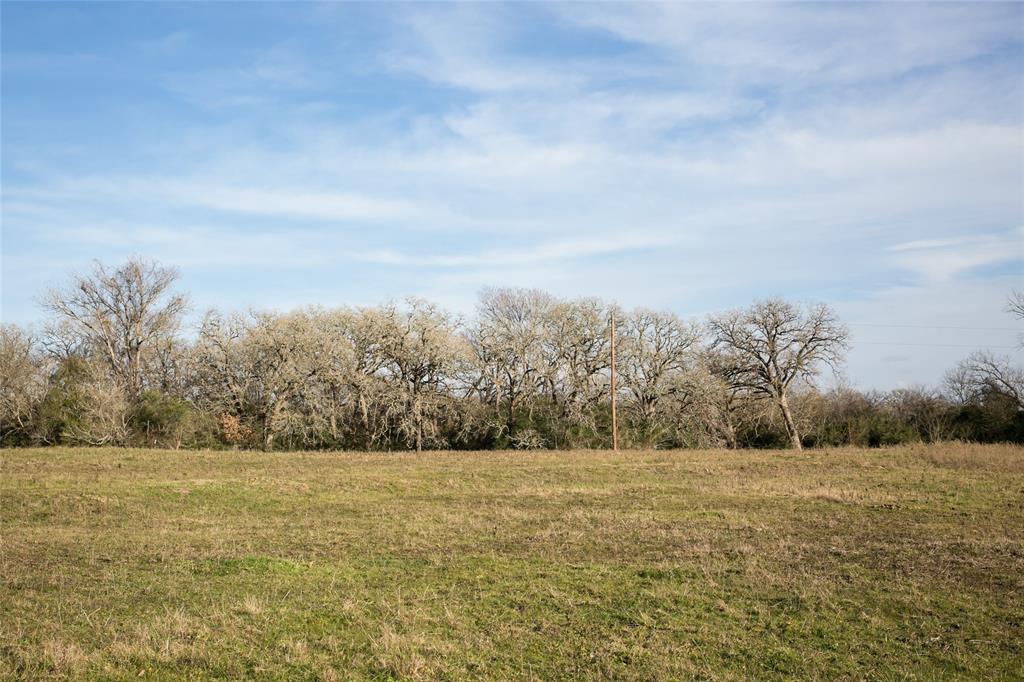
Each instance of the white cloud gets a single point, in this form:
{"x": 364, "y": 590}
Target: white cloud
{"x": 454, "y": 45}
{"x": 807, "y": 43}
{"x": 942, "y": 259}
{"x": 544, "y": 252}
{"x": 920, "y": 244}
{"x": 251, "y": 200}
{"x": 327, "y": 205}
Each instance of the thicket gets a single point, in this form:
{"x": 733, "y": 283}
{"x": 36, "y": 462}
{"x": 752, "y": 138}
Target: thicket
{"x": 528, "y": 370}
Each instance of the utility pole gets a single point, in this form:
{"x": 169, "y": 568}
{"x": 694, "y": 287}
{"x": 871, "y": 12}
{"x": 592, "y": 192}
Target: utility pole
{"x": 615, "y": 422}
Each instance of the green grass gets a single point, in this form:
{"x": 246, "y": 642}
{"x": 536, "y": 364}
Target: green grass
{"x": 894, "y": 564}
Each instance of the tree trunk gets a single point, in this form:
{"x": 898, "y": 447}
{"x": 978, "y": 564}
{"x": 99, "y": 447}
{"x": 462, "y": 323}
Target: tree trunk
{"x": 419, "y": 432}
{"x": 787, "y": 416}
{"x": 364, "y": 416}
{"x": 510, "y": 420}
{"x": 730, "y": 436}
{"x": 268, "y": 425}
{"x": 417, "y": 415}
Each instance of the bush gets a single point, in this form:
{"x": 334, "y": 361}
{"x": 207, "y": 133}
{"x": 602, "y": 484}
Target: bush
{"x": 160, "y": 420}
{"x": 62, "y": 406}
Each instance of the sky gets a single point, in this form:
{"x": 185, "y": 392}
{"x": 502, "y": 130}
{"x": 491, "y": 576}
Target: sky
{"x": 687, "y": 157}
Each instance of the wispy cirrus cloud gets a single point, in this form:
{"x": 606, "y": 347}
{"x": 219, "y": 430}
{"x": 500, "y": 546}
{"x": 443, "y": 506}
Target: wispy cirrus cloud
{"x": 263, "y": 200}
{"x": 458, "y": 45}
{"x": 801, "y": 44}
{"x": 544, "y": 252}
{"x": 943, "y": 259}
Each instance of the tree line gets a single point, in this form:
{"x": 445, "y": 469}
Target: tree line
{"x": 111, "y": 366}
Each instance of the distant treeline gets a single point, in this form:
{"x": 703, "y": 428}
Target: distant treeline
{"x": 528, "y": 370}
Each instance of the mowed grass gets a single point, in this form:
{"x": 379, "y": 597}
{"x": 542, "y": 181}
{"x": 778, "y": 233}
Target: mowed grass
{"x": 900, "y": 563}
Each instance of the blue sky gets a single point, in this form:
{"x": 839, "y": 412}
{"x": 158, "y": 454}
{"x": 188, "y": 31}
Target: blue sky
{"x": 690, "y": 157}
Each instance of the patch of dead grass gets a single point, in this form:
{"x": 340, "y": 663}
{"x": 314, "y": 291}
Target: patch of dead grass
{"x": 971, "y": 456}
{"x": 64, "y": 658}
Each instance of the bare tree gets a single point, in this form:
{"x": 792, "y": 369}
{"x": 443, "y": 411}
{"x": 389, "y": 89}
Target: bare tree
{"x": 120, "y": 314}
{"x": 326, "y": 402}
{"x": 1015, "y": 304}
{"x": 255, "y": 366}
{"x": 422, "y": 354}
{"x": 314, "y": 395}
{"x": 229, "y": 377}
{"x": 721, "y": 408}
{"x": 575, "y": 360}
{"x": 367, "y": 382}
{"x": 22, "y": 381}
{"x": 508, "y": 344}
{"x": 773, "y": 343}
{"x": 658, "y": 351}
{"x": 925, "y": 410}
{"x": 982, "y": 376}
{"x": 101, "y": 409}
{"x": 61, "y": 340}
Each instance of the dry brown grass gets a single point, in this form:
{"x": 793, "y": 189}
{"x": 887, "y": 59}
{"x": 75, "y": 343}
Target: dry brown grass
{"x": 970, "y": 456}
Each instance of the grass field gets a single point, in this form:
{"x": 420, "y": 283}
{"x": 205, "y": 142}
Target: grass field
{"x": 843, "y": 564}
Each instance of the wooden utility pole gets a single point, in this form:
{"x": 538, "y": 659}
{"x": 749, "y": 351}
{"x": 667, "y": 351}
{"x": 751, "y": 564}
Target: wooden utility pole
{"x": 615, "y": 422}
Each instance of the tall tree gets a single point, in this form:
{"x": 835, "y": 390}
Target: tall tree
{"x": 576, "y": 357}
{"x": 658, "y": 349}
{"x": 423, "y": 356}
{"x": 771, "y": 344}
{"x": 508, "y": 344}
{"x": 121, "y": 314}
{"x": 254, "y": 367}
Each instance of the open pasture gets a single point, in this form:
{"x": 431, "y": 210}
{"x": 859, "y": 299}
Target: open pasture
{"x": 903, "y": 563}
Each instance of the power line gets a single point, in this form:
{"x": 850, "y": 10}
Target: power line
{"x": 938, "y": 326}
{"x": 931, "y": 345}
